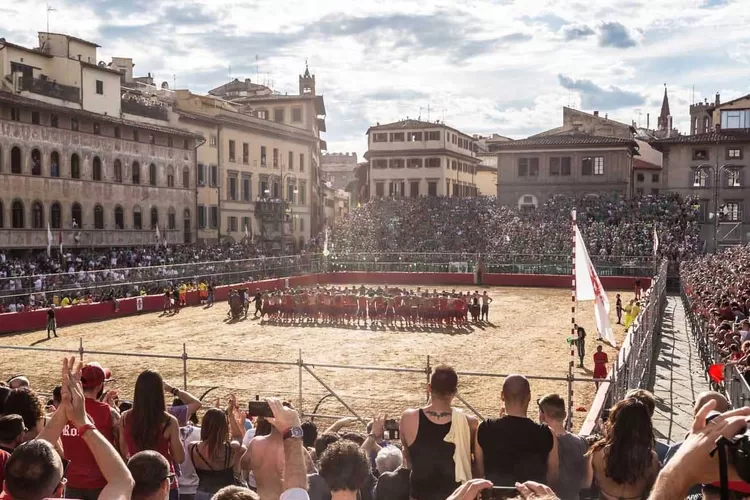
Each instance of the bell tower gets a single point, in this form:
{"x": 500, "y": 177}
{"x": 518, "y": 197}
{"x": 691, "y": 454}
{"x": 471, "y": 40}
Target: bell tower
{"x": 307, "y": 82}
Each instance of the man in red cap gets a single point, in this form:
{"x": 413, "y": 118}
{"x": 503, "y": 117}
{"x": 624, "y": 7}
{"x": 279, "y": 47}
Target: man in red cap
{"x": 85, "y": 479}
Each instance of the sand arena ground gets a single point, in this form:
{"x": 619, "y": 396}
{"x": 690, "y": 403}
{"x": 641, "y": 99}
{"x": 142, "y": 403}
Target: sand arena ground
{"x": 526, "y": 334}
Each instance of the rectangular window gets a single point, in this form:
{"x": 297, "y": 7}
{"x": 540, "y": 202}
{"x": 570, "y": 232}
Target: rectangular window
{"x": 290, "y": 165}
{"x": 35, "y": 117}
{"x": 290, "y": 188}
{"x": 247, "y": 194}
{"x": 654, "y": 177}
{"x": 433, "y": 163}
{"x": 523, "y": 167}
{"x": 432, "y": 188}
{"x": 379, "y": 189}
{"x": 700, "y": 154}
{"x": 262, "y": 114}
{"x": 599, "y": 165}
{"x": 245, "y": 153}
{"x": 263, "y": 162}
{"x": 275, "y": 158}
{"x": 213, "y": 219}
{"x": 700, "y": 178}
{"x": 100, "y": 87}
{"x": 296, "y": 115}
{"x": 735, "y": 118}
{"x": 379, "y": 137}
{"x": 414, "y": 189}
{"x": 397, "y": 137}
{"x": 74, "y": 124}
{"x": 565, "y": 163}
{"x": 135, "y": 135}
{"x": 232, "y": 223}
{"x": 201, "y": 216}
{"x": 97, "y": 129}
{"x": 214, "y": 180}
{"x": 414, "y": 137}
{"x": 53, "y": 121}
{"x": 414, "y": 163}
{"x": 137, "y": 220}
{"x": 117, "y": 133}
{"x": 263, "y": 187}
{"x": 278, "y": 115}
{"x": 640, "y": 177}
{"x": 15, "y": 114}
{"x": 170, "y": 141}
{"x": 151, "y": 139}
{"x": 301, "y": 223}
{"x": 185, "y": 144}
{"x": 533, "y": 167}
{"x": 433, "y": 136}
{"x": 201, "y": 174}
{"x": 554, "y": 167}
{"x": 212, "y": 141}
{"x": 302, "y": 192}
{"x": 380, "y": 163}
{"x": 734, "y": 153}
{"x": 734, "y": 178}
{"x": 301, "y": 162}
{"x": 246, "y": 225}
{"x": 232, "y": 188}
{"x": 454, "y": 165}
{"x": 231, "y": 151}
{"x": 731, "y": 212}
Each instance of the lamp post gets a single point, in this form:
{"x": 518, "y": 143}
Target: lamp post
{"x": 716, "y": 170}
{"x": 283, "y": 206}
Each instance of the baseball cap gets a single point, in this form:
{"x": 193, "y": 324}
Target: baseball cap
{"x": 94, "y": 374}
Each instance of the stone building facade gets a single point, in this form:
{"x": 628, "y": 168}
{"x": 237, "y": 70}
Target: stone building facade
{"x": 338, "y": 169}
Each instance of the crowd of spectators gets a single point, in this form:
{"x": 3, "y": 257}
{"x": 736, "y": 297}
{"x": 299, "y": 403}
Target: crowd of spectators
{"x": 88, "y": 444}
{"x": 612, "y": 226}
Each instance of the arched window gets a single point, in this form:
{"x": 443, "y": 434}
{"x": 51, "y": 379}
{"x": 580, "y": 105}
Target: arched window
{"x": 37, "y": 215}
{"x": 186, "y": 178}
{"x": 186, "y": 225}
{"x": 55, "y": 216}
{"x": 172, "y": 218}
{"x": 54, "y": 164}
{"x": 97, "y": 166}
{"x": 77, "y": 215}
{"x": 137, "y": 222}
{"x": 119, "y": 218}
{"x": 36, "y": 162}
{"x": 170, "y": 176}
{"x": 118, "y": 171}
{"x": 136, "y": 172}
{"x": 17, "y": 214}
{"x": 98, "y": 217}
{"x": 15, "y": 160}
{"x": 75, "y": 166}
{"x": 154, "y": 217}
{"x": 152, "y": 174}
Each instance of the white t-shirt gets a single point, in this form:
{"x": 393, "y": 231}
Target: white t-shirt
{"x": 188, "y": 482}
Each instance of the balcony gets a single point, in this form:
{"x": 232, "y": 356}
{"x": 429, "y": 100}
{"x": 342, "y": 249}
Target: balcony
{"x": 45, "y": 87}
{"x": 266, "y": 208}
{"x": 135, "y": 107}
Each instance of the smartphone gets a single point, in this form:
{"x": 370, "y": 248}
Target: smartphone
{"x": 499, "y": 492}
{"x": 391, "y": 429}
{"x": 259, "y": 409}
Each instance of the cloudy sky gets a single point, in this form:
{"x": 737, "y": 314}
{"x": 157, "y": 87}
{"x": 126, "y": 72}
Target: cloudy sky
{"x": 502, "y": 66}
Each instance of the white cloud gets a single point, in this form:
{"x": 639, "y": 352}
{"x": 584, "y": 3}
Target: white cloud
{"x": 484, "y": 65}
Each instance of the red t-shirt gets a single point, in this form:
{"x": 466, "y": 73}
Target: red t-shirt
{"x": 83, "y": 473}
{"x": 4, "y": 456}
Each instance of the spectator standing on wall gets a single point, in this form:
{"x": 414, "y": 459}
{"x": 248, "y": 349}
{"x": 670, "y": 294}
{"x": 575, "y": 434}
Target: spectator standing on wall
{"x": 513, "y": 448}
{"x": 433, "y": 461}
{"x": 85, "y": 479}
{"x": 572, "y": 460}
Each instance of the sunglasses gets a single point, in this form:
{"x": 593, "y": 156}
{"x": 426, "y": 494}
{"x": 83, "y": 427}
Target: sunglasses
{"x": 170, "y": 478}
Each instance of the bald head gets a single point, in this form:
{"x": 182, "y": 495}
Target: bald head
{"x": 516, "y": 390}
{"x": 722, "y": 404}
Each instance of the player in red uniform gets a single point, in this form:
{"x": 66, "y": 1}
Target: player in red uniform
{"x": 600, "y": 364}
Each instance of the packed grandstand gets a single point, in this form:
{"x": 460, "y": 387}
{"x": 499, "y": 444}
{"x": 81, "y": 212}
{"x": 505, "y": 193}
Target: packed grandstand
{"x": 428, "y": 229}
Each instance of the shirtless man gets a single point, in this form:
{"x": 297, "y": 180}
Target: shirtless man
{"x": 486, "y": 300}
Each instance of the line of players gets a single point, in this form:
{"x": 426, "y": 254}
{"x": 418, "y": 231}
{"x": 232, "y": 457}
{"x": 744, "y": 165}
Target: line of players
{"x": 382, "y": 306}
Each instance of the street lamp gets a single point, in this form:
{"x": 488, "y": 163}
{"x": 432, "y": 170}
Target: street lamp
{"x": 716, "y": 169}
{"x": 283, "y": 206}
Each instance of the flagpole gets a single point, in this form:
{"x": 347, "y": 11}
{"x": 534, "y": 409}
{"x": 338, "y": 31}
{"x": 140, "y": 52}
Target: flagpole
{"x": 574, "y": 328}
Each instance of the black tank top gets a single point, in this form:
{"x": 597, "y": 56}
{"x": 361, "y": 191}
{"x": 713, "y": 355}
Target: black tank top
{"x": 212, "y": 480}
{"x": 433, "y": 470}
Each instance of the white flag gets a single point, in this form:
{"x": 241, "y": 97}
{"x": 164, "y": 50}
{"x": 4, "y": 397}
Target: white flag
{"x": 49, "y": 240}
{"x": 656, "y": 240}
{"x": 158, "y": 237}
{"x": 589, "y": 287}
{"x": 247, "y": 233}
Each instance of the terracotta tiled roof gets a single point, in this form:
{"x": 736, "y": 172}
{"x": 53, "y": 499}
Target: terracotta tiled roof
{"x": 722, "y": 136}
{"x": 639, "y": 164}
{"x": 404, "y": 124}
{"x": 565, "y": 140}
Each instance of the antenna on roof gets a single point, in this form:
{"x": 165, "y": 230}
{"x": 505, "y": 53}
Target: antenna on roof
{"x": 49, "y": 9}
{"x": 428, "y": 111}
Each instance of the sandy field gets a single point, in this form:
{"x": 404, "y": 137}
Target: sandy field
{"x": 526, "y": 334}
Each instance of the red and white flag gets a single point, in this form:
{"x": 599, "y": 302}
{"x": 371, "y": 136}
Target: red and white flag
{"x": 589, "y": 287}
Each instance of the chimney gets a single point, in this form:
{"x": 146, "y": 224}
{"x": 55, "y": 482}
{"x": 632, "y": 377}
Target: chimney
{"x": 670, "y": 122}
{"x": 596, "y": 113}
{"x": 718, "y": 99}
{"x": 648, "y": 121}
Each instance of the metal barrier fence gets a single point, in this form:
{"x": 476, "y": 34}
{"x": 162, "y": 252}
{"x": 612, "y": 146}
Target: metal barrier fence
{"x": 129, "y": 281}
{"x": 735, "y": 386}
{"x": 306, "y": 398}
